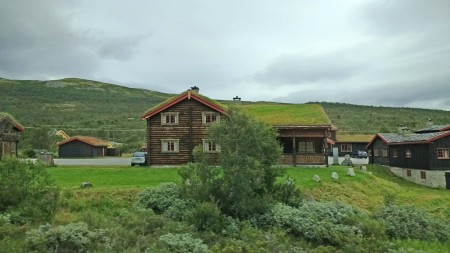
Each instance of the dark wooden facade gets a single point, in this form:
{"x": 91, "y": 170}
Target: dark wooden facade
{"x": 9, "y": 135}
{"x": 81, "y": 146}
{"x": 422, "y": 154}
{"x": 188, "y": 132}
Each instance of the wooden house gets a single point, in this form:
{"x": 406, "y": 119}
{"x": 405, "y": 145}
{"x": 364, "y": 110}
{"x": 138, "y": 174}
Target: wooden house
{"x": 179, "y": 124}
{"x": 82, "y": 146}
{"x": 349, "y": 143}
{"x": 422, "y": 157}
{"x": 10, "y": 131}
{"x": 305, "y": 131}
{"x": 176, "y": 126}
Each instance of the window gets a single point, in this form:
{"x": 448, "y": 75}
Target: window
{"x": 169, "y": 146}
{"x": 408, "y": 173}
{"x": 394, "y": 153}
{"x": 210, "y": 146}
{"x": 306, "y": 147}
{"x": 408, "y": 153}
{"x": 169, "y": 118}
{"x": 443, "y": 153}
{"x": 376, "y": 152}
{"x": 210, "y": 117}
{"x": 423, "y": 175}
{"x": 385, "y": 152}
{"x": 346, "y": 148}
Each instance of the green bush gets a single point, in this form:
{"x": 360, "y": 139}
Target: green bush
{"x": 161, "y": 198}
{"x": 288, "y": 193}
{"x": 27, "y": 192}
{"x": 74, "y": 237}
{"x": 406, "y": 222}
{"x": 183, "y": 243}
{"x": 331, "y": 223}
{"x": 206, "y": 217}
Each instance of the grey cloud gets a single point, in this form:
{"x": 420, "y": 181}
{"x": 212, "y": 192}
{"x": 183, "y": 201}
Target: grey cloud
{"x": 300, "y": 69}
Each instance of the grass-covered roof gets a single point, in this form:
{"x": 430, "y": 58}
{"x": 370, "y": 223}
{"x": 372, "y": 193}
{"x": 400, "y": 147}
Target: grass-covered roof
{"x": 354, "y": 137}
{"x": 287, "y": 114}
{"x": 12, "y": 120}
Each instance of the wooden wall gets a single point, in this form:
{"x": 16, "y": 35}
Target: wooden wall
{"x": 80, "y": 149}
{"x": 420, "y": 157}
{"x": 380, "y": 159}
{"x": 439, "y": 164}
{"x": 190, "y": 131}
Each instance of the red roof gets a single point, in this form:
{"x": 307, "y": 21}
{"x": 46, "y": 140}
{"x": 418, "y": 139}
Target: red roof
{"x": 183, "y": 96}
{"x": 86, "y": 139}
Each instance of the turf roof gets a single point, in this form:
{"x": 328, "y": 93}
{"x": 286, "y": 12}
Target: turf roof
{"x": 10, "y": 118}
{"x": 288, "y": 114}
{"x": 353, "y": 137}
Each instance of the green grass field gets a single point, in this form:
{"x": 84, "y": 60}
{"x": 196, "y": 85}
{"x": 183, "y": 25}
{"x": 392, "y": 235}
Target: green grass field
{"x": 364, "y": 190}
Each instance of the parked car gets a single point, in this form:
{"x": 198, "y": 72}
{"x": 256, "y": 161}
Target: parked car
{"x": 360, "y": 154}
{"x": 139, "y": 158}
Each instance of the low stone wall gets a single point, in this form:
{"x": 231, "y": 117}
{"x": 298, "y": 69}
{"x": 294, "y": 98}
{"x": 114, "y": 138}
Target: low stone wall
{"x": 434, "y": 178}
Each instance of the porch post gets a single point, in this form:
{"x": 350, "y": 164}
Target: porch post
{"x": 294, "y": 149}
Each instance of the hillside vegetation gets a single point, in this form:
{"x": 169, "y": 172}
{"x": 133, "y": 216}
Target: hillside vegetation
{"x": 112, "y": 112}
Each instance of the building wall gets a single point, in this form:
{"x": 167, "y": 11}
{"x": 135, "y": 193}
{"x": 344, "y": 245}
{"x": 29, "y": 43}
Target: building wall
{"x": 434, "y": 178}
{"x": 378, "y": 159}
{"x": 420, "y": 157}
{"x": 190, "y": 131}
{"x": 80, "y": 149}
{"x": 439, "y": 164}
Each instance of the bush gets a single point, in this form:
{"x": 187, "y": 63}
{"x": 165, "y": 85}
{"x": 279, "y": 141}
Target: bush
{"x": 288, "y": 193}
{"x": 332, "y": 223}
{"x": 27, "y": 192}
{"x": 206, "y": 217}
{"x": 183, "y": 243}
{"x": 161, "y": 198}
{"x": 74, "y": 237}
{"x": 406, "y": 222}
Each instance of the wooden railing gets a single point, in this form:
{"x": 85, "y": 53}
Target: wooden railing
{"x": 302, "y": 159}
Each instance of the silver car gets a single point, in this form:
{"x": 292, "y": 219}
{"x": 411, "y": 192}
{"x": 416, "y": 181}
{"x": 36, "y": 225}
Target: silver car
{"x": 139, "y": 158}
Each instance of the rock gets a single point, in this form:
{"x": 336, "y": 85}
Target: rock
{"x": 47, "y": 159}
{"x": 350, "y": 172}
{"x": 335, "y": 176}
{"x": 316, "y": 178}
{"x": 347, "y": 161}
{"x": 86, "y": 185}
{"x": 363, "y": 168}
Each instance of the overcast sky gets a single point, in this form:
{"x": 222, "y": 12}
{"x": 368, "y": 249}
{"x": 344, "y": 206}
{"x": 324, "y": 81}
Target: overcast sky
{"x": 379, "y": 52}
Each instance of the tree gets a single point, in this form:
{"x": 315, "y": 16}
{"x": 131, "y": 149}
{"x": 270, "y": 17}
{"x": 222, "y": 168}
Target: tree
{"x": 242, "y": 183}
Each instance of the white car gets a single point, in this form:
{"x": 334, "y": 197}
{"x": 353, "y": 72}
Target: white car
{"x": 139, "y": 158}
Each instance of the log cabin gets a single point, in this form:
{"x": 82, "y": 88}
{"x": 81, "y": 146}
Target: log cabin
{"x": 10, "y": 131}
{"x": 82, "y": 146}
{"x": 422, "y": 157}
{"x": 179, "y": 124}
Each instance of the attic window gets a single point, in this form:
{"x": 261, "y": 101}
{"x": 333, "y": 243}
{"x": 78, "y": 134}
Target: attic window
{"x": 443, "y": 153}
{"x": 408, "y": 153}
{"x": 169, "y": 118}
{"x": 210, "y": 117}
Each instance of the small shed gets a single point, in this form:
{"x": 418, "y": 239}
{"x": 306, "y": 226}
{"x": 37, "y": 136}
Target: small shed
{"x": 10, "y": 131}
{"x": 82, "y": 146}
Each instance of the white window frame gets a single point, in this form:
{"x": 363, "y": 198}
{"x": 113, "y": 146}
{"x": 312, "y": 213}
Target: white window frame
{"x": 164, "y": 116}
{"x": 408, "y": 153}
{"x": 206, "y": 114}
{"x": 207, "y": 144}
{"x": 443, "y": 153}
{"x": 165, "y": 145}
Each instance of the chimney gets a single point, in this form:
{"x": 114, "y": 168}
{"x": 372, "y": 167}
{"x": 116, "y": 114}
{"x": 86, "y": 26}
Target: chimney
{"x": 195, "y": 89}
{"x": 237, "y": 99}
{"x": 402, "y": 129}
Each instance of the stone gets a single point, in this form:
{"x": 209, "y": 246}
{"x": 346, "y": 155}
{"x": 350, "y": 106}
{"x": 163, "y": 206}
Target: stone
{"x": 347, "y": 161}
{"x": 350, "y": 172}
{"x": 86, "y": 185}
{"x": 335, "y": 176}
{"x": 47, "y": 159}
{"x": 316, "y": 178}
{"x": 363, "y": 168}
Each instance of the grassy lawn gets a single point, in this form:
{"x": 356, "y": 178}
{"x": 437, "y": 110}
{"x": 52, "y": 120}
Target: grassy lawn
{"x": 364, "y": 190}
{"x": 112, "y": 177}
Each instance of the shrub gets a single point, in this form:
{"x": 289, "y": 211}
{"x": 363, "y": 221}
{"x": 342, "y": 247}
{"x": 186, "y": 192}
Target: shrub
{"x": 206, "y": 217}
{"x": 27, "y": 191}
{"x": 183, "y": 243}
{"x": 406, "y": 222}
{"x": 288, "y": 193}
{"x": 74, "y": 237}
{"x": 332, "y": 223}
{"x": 161, "y": 198}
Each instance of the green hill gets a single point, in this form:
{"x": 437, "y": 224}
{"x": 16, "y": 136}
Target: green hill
{"x": 112, "y": 112}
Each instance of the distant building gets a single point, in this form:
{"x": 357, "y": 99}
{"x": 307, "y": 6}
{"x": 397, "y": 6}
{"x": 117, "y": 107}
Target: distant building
{"x": 422, "y": 157}
{"x": 347, "y": 144}
{"x": 10, "y": 131}
{"x": 83, "y": 146}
